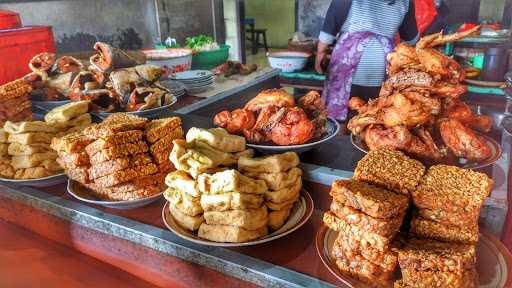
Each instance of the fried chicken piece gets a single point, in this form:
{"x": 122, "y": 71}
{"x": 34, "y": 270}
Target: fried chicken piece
{"x": 377, "y": 136}
{"x": 440, "y": 66}
{"x": 404, "y": 56}
{"x": 456, "y": 109}
{"x": 423, "y": 146}
{"x": 292, "y": 127}
{"x": 314, "y": 106}
{"x": 357, "y": 104}
{"x": 437, "y": 39}
{"x": 462, "y": 141}
{"x": 270, "y": 97}
{"x": 236, "y": 121}
{"x": 403, "y": 111}
{"x": 260, "y": 131}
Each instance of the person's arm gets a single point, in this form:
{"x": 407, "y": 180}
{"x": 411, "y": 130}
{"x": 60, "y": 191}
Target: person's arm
{"x": 409, "y": 29}
{"x": 331, "y": 27}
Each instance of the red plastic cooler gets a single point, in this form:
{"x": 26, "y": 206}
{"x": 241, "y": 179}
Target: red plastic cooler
{"x": 18, "y": 46}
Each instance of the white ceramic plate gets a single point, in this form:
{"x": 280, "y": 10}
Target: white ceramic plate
{"x": 83, "y": 194}
{"x": 333, "y": 128}
{"x": 493, "y": 260}
{"x": 192, "y": 74}
{"x": 463, "y": 163}
{"x": 40, "y": 182}
{"x": 300, "y": 214}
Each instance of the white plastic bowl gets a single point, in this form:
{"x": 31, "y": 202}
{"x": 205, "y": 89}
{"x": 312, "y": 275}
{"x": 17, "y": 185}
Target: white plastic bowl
{"x": 288, "y": 61}
{"x": 174, "y": 60}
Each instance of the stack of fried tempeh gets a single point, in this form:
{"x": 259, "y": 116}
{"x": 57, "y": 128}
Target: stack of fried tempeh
{"x": 368, "y": 216}
{"x": 283, "y": 179}
{"x": 15, "y": 103}
{"x": 160, "y": 133}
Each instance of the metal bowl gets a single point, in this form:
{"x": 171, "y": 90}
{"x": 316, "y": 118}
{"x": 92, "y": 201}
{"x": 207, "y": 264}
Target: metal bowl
{"x": 39, "y": 182}
{"x": 333, "y": 129}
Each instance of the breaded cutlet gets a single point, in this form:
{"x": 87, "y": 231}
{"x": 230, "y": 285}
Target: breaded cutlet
{"x": 427, "y": 254}
{"x": 439, "y": 279}
{"x": 390, "y": 169}
{"x": 449, "y": 233}
{"x": 452, "y": 189}
{"x": 118, "y": 122}
{"x": 159, "y": 128}
{"x": 374, "y": 201}
{"x": 367, "y": 239}
{"x": 383, "y": 227}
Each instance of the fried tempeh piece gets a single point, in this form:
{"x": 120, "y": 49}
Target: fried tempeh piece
{"x": 118, "y": 139}
{"x": 118, "y": 151}
{"x": 429, "y": 229}
{"x": 159, "y": 128}
{"x": 118, "y": 122}
{"x": 126, "y": 175}
{"x": 71, "y": 143}
{"x": 109, "y": 167}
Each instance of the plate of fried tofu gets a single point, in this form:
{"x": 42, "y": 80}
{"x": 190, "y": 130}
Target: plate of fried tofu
{"x": 375, "y": 236}
{"x": 221, "y": 195}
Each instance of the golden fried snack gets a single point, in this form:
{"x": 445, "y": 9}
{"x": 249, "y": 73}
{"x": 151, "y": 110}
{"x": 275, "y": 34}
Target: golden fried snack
{"x": 3, "y": 136}
{"x": 231, "y": 234}
{"x": 115, "y": 123}
{"x": 165, "y": 143}
{"x": 270, "y": 97}
{"x": 126, "y": 175}
{"x": 32, "y": 173}
{"x": 28, "y": 161}
{"x": 276, "y": 219}
{"x": 31, "y": 138}
{"x": 83, "y": 120}
{"x": 217, "y": 138}
{"x": 230, "y": 181}
{"x": 250, "y": 219}
{"x": 184, "y": 202}
{"x": 159, "y": 128}
{"x": 269, "y": 164}
{"x": 279, "y": 180}
{"x": 73, "y": 160}
{"x": 79, "y": 174}
{"x": 6, "y": 170}
{"x": 202, "y": 156}
{"x": 51, "y": 165}
{"x": 118, "y": 152}
{"x": 282, "y": 205}
{"x": 29, "y": 126}
{"x": 230, "y": 201}
{"x": 67, "y": 112}
{"x": 112, "y": 166}
{"x": 71, "y": 143}
{"x": 4, "y": 149}
{"x": 285, "y": 194}
{"x": 180, "y": 180}
{"x": 424, "y": 228}
{"x": 191, "y": 223}
{"x": 118, "y": 139}
{"x": 16, "y": 149}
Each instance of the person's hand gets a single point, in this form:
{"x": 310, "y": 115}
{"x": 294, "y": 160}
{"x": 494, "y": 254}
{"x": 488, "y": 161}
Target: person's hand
{"x": 320, "y": 56}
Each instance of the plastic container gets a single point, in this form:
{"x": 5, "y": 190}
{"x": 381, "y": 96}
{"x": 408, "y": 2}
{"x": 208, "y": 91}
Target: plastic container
{"x": 18, "y": 46}
{"x": 206, "y": 60}
{"x": 495, "y": 64}
{"x": 288, "y": 61}
{"x": 9, "y": 20}
{"x": 174, "y": 60}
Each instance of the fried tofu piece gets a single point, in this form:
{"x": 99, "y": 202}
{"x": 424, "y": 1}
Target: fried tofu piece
{"x": 217, "y": 138}
{"x": 276, "y": 219}
{"x": 126, "y": 175}
{"x": 29, "y": 126}
{"x": 383, "y": 227}
{"x": 249, "y": 219}
{"x": 118, "y": 152}
{"x": 16, "y": 149}
{"x": 180, "y": 180}
{"x": 230, "y": 234}
{"x": 279, "y": 180}
{"x": 115, "y": 123}
{"x": 269, "y": 164}
{"x": 285, "y": 194}
{"x": 3, "y": 136}
{"x": 452, "y": 189}
{"x": 33, "y": 173}
{"x": 67, "y": 112}
{"x": 28, "y": 161}
{"x": 73, "y": 160}
{"x": 280, "y": 206}
{"x": 4, "y": 149}
{"x": 429, "y": 229}
{"x": 374, "y": 201}
{"x": 184, "y": 202}
{"x": 439, "y": 279}
{"x": 71, "y": 143}
{"x": 230, "y": 181}
{"x": 6, "y": 171}
{"x": 374, "y": 240}
{"x": 159, "y": 128}
{"x": 83, "y": 120}
{"x": 427, "y": 254}
{"x": 390, "y": 169}
{"x": 31, "y": 138}
{"x": 118, "y": 139}
{"x": 230, "y": 201}
{"x": 191, "y": 223}
{"x": 112, "y": 166}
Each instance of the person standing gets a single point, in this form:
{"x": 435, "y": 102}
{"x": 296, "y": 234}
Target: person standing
{"x": 367, "y": 29}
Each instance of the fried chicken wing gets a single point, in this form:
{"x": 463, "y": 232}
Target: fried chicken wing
{"x": 456, "y": 109}
{"x": 314, "y": 106}
{"x": 236, "y": 121}
{"x": 462, "y": 141}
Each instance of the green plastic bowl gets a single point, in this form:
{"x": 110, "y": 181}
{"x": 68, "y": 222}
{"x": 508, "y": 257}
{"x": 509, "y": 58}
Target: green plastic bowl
{"x": 206, "y": 60}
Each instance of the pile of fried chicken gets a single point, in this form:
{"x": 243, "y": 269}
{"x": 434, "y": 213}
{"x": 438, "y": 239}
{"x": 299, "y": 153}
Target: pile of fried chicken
{"x": 418, "y": 109}
{"x": 113, "y": 81}
{"x": 273, "y": 117}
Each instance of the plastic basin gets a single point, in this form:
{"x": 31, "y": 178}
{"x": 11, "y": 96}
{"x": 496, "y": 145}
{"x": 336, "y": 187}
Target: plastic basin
{"x": 206, "y": 60}
{"x": 172, "y": 59}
